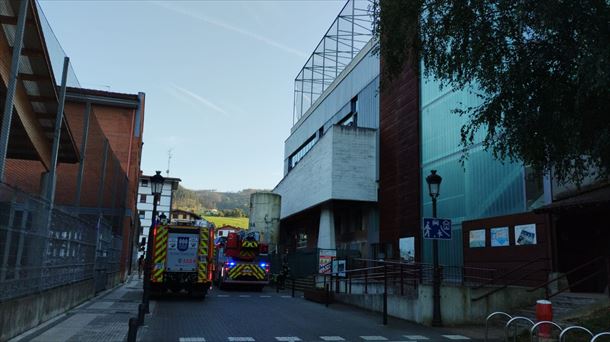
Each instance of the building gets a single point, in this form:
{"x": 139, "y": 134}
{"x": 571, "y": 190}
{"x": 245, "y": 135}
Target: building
{"x": 69, "y": 162}
{"x": 331, "y": 157}
{"x": 180, "y": 216}
{"x": 145, "y": 201}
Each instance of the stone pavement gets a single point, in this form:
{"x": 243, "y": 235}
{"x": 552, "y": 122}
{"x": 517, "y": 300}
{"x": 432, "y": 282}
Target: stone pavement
{"x": 103, "y": 318}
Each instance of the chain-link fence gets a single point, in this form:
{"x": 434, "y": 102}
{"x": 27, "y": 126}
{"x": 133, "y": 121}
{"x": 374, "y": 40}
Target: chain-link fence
{"x": 42, "y": 248}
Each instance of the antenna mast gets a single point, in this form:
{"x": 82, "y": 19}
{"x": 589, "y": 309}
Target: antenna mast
{"x": 169, "y": 159}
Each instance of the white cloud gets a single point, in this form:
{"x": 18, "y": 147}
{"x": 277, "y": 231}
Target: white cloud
{"x": 189, "y": 94}
{"x": 230, "y": 27}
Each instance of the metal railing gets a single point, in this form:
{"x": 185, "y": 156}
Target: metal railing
{"x": 43, "y": 247}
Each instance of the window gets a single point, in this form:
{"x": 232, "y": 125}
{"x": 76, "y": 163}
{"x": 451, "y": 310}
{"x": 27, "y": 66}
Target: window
{"x": 144, "y": 182}
{"x": 294, "y": 159}
{"x": 142, "y": 198}
{"x": 302, "y": 240}
{"x": 351, "y": 119}
{"x": 141, "y": 213}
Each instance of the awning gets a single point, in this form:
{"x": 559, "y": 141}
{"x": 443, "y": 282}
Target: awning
{"x": 592, "y": 198}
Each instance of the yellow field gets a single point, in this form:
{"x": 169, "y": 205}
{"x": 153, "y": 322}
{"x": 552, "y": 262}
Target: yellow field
{"x": 241, "y": 222}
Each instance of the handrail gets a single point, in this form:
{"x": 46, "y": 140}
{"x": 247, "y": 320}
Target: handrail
{"x": 533, "y": 329}
{"x": 575, "y": 283}
{"x": 523, "y": 276}
{"x": 594, "y": 260}
{"x": 518, "y": 268}
{"x": 576, "y": 327}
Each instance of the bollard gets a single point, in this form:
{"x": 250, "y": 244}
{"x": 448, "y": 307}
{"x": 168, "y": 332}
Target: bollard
{"x": 292, "y": 287}
{"x": 366, "y": 281}
{"x": 402, "y": 290}
{"x": 327, "y": 294}
{"x": 132, "y": 333}
{"x": 141, "y": 314}
{"x": 544, "y": 312}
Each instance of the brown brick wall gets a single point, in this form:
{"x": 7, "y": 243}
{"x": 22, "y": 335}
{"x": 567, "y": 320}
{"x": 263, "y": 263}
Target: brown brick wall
{"x": 399, "y": 169}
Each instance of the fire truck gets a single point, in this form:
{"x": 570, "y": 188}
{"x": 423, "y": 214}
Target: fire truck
{"x": 241, "y": 259}
{"x": 182, "y": 255}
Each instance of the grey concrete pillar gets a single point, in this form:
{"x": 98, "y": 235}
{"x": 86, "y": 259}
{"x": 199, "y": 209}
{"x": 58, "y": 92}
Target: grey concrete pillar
{"x": 326, "y": 231}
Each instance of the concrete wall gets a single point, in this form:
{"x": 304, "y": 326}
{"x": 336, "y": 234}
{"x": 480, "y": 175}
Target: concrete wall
{"x": 21, "y": 314}
{"x": 456, "y": 305}
{"x": 265, "y": 215}
{"x": 342, "y": 165}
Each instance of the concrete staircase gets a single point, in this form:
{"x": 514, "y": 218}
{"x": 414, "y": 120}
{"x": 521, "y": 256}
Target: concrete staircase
{"x": 302, "y": 284}
{"x": 569, "y": 305}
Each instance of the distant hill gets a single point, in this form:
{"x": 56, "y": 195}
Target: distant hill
{"x": 200, "y": 201}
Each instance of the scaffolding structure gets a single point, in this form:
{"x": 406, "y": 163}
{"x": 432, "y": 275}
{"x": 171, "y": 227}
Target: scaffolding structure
{"x": 348, "y": 34}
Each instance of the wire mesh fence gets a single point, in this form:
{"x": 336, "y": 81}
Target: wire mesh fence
{"x": 43, "y": 247}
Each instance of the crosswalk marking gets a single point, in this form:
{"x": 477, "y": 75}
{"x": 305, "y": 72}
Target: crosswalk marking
{"x": 456, "y": 337}
{"x": 241, "y": 339}
{"x": 332, "y": 338}
{"x": 244, "y": 296}
{"x": 265, "y": 296}
{"x": 288, "y": 338}
{"x": 416, "y": 337}
{"x": 373, "y": 338}
{"x": 192, "y": 339}
{"x": 222, "y": 296}
{"x": 286, "y": 296}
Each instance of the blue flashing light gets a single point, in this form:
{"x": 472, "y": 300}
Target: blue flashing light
{"x": 263, "y": 264}
{"x": 231, "y": 264}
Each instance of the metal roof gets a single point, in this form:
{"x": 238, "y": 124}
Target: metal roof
{"x": 38, "y": 80}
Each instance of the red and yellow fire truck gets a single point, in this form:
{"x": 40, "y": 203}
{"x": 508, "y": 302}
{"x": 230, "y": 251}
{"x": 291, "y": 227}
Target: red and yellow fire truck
{"x": 182, "y": 258}
{"x": 241, "y": 259}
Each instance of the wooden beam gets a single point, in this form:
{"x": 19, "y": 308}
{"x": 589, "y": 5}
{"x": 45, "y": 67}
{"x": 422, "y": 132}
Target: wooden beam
{"x": 7, "y": 19}
{"x": 42, "y": 98}
{"x": 24, "y": 109}
{"x": 29, "y": 52}
{"x": 32, "y": 77}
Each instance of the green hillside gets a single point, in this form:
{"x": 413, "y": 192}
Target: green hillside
{"x": 241, "y": 222}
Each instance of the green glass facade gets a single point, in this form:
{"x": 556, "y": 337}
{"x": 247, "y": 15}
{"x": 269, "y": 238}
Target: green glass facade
{"x": 482, "y": 187}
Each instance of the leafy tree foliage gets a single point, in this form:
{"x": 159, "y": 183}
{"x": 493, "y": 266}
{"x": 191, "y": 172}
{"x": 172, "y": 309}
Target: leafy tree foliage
{"x": 542, "y": 69}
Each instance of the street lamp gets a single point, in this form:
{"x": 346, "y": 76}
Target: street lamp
{"x": 434, "y": 186}
{"x": 156, "y": 187}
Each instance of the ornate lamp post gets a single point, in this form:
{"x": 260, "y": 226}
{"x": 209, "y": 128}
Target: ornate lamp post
{"x": 434, "y": 185}
{"x": 156, "y": 186}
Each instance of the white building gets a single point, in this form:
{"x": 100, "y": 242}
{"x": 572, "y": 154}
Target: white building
{"x": 145, "y": 201}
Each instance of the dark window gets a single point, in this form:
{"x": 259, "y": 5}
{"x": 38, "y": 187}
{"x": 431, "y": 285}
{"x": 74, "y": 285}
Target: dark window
{"x": 301, "y": 151}
{"x": 142, "y": 198}
{"x": 302, "y": 240}
{"x": 141, "y": 213}
{"x": 144, "y": 182}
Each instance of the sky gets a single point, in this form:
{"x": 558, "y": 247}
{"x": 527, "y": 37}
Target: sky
{"x": 218, "y": 77}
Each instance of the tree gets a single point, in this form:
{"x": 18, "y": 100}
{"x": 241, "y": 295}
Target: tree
{"x": 542, "y": 69}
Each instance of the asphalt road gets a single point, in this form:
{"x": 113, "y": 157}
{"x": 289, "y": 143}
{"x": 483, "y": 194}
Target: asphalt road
{"x": 268, "y": 316}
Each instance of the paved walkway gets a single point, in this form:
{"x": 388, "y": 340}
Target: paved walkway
{"x": 103, "y": 318}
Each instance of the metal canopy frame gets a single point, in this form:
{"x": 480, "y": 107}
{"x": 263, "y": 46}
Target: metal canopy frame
{"x": 347, "y": 35}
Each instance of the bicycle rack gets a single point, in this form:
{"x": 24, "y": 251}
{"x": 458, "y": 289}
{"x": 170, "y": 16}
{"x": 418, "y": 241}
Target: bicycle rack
{"x": 600, "y": 335}
{"x": 533, "y": 330}
{"x": 576, "y": 327}
{"x": 497, "y": 313}
{"x": 514, "y": 319}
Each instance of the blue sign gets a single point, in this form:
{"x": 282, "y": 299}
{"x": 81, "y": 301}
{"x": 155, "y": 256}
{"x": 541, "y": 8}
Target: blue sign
{"x": 437, "y": 229}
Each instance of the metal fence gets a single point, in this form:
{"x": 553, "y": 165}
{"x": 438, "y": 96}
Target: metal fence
{"x": 42, "y": 248}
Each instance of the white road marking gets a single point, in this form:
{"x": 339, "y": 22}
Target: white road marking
{"x": 332, "y": 338}
{"x": 373, "y": 338}
{"x": 416, "y": 337}
{"x": 240, "y": 339}
{"x": 222, "y": 296}
{"x": 456, "y": 337}
{"x": 288, "y": 338}
{"x": 286, "y": 296}
{"x": 265, "y": 296}
{"x": 192, "y": 339}
{"x": 244, "y": 296}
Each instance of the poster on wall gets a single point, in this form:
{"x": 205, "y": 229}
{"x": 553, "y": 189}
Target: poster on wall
{"x": 477, "y": 238}
{"x": 525, "y": 234}
{"x": 407, "y": 248}
{"x": 326, "y": 258}
{"x": 499, "y": 237}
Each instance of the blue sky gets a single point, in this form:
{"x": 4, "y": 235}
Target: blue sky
{"x": 218, "y": 77}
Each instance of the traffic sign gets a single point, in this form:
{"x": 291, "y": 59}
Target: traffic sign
{"x": 437, "y": 229}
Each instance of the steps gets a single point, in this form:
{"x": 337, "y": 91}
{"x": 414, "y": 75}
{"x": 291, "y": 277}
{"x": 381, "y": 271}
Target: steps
{"x": 302, "y": 284}
{"x": 570, "y": 305}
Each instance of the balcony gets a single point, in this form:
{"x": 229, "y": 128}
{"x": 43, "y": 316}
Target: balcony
{"x": 342, "y": 165}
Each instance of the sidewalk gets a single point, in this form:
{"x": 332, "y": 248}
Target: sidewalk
{"x": 102, "y": 318}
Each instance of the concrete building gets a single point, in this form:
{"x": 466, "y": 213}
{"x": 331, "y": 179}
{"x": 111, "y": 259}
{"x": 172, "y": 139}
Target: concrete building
{"x": 329, "y": 188}
{"x": 145, "y": 201}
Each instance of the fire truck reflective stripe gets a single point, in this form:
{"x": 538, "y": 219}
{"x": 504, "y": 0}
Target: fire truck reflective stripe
{"x": 249, "y": 244}
{"x": 202, "y": 269}
{"x": 160, "y": 252}
{"x": 247, "y": 270}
